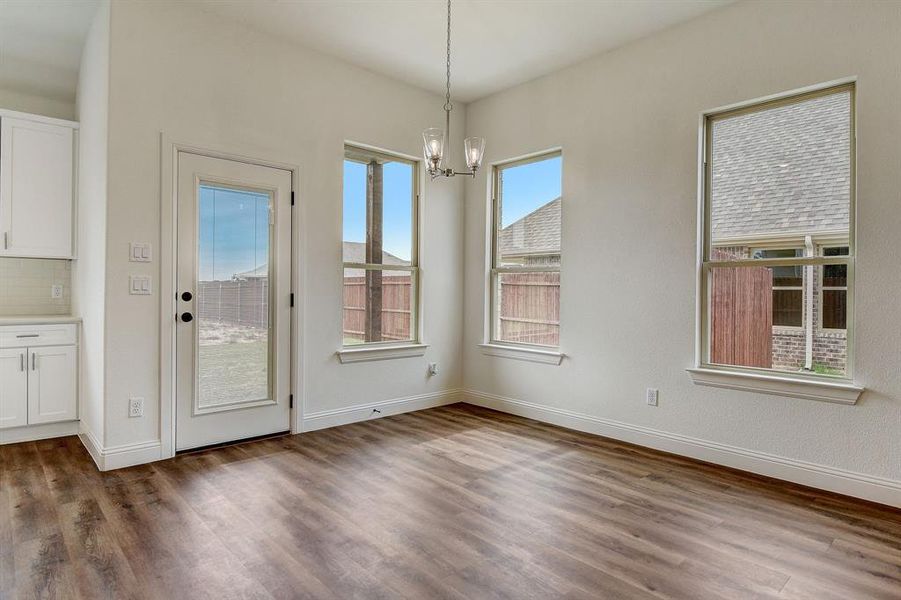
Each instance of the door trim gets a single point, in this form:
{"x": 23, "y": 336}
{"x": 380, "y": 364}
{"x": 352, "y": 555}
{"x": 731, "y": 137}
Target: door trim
{"x": 169, "y": 151}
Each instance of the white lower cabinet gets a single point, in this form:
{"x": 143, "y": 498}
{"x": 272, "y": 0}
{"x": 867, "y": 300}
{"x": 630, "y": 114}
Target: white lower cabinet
{"x": 13, "y": 387}
{"x": 52, "y": 382}
{"x": 38, "y": 383}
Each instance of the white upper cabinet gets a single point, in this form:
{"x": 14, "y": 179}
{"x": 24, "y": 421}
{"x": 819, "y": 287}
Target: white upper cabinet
{"x": 36, "y": 188}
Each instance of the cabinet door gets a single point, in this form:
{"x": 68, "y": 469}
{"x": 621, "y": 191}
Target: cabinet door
{"x": 52, "y": 384}
{"x": 36, "y": 201}
{"x": 13, "y": 388}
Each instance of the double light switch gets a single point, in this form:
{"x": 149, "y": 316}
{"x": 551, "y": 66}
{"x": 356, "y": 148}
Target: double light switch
{"x": 139, "y": 285}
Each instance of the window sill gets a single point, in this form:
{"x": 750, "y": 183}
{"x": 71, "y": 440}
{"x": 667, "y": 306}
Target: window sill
{"x": 548, "y": 357}
{"x": 840, "y": 392}
{"x": 367, "y": 353}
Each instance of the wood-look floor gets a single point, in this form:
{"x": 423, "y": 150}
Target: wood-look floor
{"x": 455, "y": 502}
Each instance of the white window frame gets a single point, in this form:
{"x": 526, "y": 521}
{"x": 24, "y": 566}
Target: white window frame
{"x": 771, "y": 381}
{"x": 365, "y": 351}
{"x": 536, "y": 351}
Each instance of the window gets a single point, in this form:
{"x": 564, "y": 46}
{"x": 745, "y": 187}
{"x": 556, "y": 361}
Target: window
{"x": 788, "y": 288}
{"x": 525, "y": 265}
{"x": 381, "y": 264}
{"x": 834, "y": 291}
{"x": 778, "y": 249}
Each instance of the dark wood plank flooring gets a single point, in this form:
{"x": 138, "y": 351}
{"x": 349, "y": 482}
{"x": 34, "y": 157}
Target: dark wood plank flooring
{"x": 455, "y": 502}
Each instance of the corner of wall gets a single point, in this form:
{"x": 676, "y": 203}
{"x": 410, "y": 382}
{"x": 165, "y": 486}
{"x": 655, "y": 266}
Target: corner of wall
{"x": 88, "y": 273}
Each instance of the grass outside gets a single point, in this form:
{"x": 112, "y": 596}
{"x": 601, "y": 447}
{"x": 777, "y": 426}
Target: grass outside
{"x": 233, "y": 372}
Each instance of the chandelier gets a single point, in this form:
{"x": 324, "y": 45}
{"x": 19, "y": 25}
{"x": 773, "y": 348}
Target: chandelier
{"x": 436, "y": 141}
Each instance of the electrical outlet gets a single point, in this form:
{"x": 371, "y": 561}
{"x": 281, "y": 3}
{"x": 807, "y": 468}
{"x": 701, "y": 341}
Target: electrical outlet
{"x": 135, "y": 407}
{"x": 652, "y": 396}
{"x": 56, "y": 291}
{"x": 433, "y": 368}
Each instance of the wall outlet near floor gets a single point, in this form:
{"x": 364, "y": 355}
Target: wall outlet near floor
{"x": 652, "y": 396}
{"x": 56, "y": 291}
{"x": 135, "y": 407}
{"x": 433, "y": 368}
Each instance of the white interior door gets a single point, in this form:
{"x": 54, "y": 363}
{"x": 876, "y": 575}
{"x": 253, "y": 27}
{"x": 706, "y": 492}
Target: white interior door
{"x": 233, "y": 290}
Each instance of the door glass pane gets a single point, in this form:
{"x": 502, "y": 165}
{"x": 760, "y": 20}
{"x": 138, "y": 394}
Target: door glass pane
{"x": 233, "y": 296}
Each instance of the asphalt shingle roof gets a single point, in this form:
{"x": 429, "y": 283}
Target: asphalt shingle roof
{"x": 536, "y": 233}
{"x": 781, "y": 170}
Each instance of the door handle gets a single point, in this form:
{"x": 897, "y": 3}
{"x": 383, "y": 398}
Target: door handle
{"x": 187, "y": 317}
{"x": 34, "y": 356}
{"x": 22, "y": 362}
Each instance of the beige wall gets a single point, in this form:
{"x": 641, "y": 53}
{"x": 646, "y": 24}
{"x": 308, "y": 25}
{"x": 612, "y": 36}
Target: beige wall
{"x": 212, "y": 83}
{"x": 628, "y": 125}
{"x": 37, "y": 105}
{"x": 89, "y": 270}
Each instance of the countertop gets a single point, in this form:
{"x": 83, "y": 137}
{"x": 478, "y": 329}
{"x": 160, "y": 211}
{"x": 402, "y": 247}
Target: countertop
{"x": 39, "y": 320}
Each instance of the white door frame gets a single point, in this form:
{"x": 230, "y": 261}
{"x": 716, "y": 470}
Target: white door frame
{"x": 169, "y": 151}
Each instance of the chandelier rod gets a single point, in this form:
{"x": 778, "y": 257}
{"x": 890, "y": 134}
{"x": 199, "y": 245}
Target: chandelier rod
{"x": 448, "y": 106}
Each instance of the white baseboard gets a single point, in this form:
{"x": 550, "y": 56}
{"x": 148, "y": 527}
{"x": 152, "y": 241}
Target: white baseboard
{"x": 363, "y": 412}
{"x": 859, "y": 485}
{"x": 119, "y": 457}
{"x": 92, "y": 445}
{"x": 31, "y": 433}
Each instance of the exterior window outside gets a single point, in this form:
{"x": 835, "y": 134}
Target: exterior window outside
{"x": 526, "y": 252}
{"x": 381, "y": 263}
{"x": 780, "y": 188}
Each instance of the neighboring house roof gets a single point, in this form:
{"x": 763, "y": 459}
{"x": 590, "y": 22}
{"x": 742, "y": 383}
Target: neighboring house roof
{"x": 782, "y": 170}
{"x": 354, "y": 252}
{"x": 536, "y": 233}
{"x": 261, "y": 271}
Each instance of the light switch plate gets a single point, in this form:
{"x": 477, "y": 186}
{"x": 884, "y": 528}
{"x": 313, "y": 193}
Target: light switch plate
{"x": 139, "y": 252}
{"x": 139, "y": 285}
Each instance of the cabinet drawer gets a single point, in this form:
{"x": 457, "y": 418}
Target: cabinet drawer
{"x": 20, "y": 336}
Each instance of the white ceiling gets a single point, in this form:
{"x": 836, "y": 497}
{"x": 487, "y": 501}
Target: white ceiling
{"x": 496, "y": 43}
{"x": 41, "y": 43}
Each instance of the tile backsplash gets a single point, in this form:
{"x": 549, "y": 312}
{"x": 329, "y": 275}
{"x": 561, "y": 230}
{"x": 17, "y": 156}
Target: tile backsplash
{"x": 26, "y": 285}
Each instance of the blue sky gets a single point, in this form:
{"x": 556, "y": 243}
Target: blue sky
{"x": 234, "y": 225}
{"x": 397, "y": 206}
{"x": 234, "y": 232}
{"x": 528, "y": 187}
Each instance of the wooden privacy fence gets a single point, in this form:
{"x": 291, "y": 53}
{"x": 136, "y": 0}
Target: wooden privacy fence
{"x": 741, "y": 317}
{"x": 396, "y": 314}
{"x": 529, "y": 308}
{"x": 234, "y": 302}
